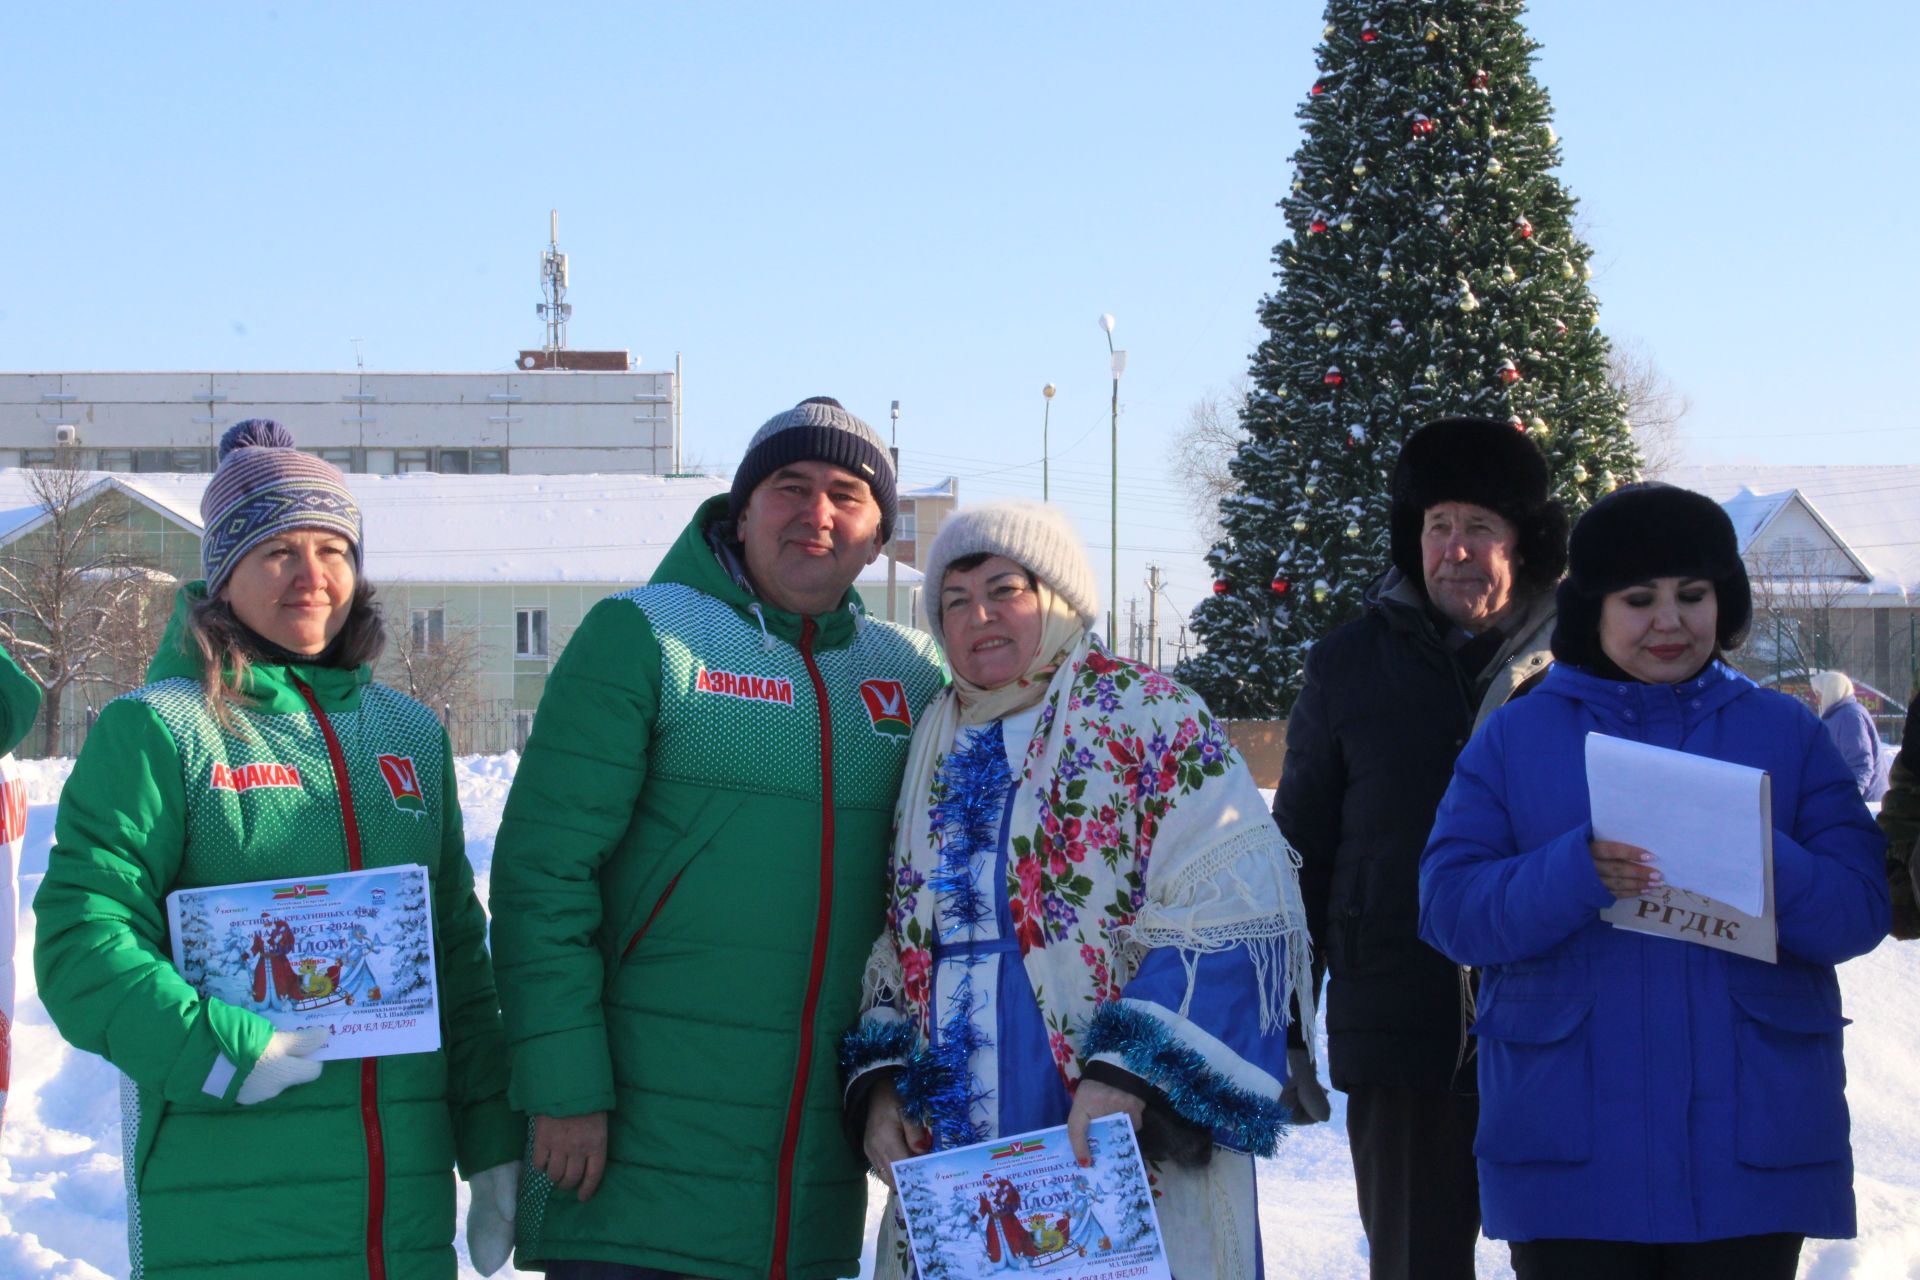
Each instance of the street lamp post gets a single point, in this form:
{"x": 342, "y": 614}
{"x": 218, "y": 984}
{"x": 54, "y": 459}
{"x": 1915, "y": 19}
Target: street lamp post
{"x": 1046, "y": 453}
{"x": 1113, "y": 562}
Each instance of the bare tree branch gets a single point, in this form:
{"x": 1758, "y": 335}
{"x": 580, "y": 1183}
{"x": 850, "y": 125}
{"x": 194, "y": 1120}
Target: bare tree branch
{"x": 1654, "y": 407}
{"x": 77, "y": 604}
{"x": 1200, "y": 450}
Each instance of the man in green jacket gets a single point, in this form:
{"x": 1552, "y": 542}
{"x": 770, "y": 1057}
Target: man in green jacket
{"x": 689, "y": 874}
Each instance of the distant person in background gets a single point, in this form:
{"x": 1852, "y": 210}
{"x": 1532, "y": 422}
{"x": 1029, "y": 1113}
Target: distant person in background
{"x": 19, "y": 703}
{"x": 1900, "y": 822}
{"x": 1854, "y": 732}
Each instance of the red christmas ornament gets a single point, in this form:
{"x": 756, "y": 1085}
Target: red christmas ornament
{"x": 1517, "y": 425}
{"x": 1479, "y": 80}
{"x": 1524, "y": 227}
{"x": 1560, "y": 328}
{"x": 1333, "y": 376}
{"x": 1509, "y": 372}
{"x": 1421, "y": 126}
{"x": 1368, "y": 35}
{"x": 1316, "y": 226}
{"x": 1318, "y": 89}
{"x": 1219, "y": 587}
{"x": 1281, "y": 586}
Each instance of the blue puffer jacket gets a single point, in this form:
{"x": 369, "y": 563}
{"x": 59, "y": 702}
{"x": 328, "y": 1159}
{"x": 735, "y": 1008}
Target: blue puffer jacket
{"x": 1639, "y": 1088}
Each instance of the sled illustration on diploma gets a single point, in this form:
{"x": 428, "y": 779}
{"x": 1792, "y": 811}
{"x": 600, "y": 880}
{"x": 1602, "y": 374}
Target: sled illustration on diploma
{"x": 319, "y": 986}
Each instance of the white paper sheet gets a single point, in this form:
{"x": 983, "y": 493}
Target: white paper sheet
{"x": 1705, "y": 821}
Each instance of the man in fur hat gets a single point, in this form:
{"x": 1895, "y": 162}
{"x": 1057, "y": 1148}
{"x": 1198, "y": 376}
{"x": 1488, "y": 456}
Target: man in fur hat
{"x": 1457, "y": 626}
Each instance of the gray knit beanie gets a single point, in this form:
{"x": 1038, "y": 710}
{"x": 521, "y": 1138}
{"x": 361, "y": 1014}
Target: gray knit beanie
{"x": 266, "y": 486}
{"x": 818, "y": 429}
{"x": 1037, "y": 537}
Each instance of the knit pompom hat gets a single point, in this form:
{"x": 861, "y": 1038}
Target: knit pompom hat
{"x": 1638, "y": 533}
{"x": 1037, "y": 537}
{"x": 266, "y": 486}
{"x": 818, "y": 429}
{"x": 1488, "y": 464}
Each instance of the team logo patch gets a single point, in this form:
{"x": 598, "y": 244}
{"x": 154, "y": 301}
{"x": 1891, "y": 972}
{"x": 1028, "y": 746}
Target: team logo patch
{"x": 886, "y": 702}
{"x": 403, "y": 780}
{"x": 247, "y": 777}
{"x": 778, "y": 690}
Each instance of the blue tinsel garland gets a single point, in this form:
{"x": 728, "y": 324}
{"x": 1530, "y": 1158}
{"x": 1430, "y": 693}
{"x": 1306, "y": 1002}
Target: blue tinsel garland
{"x": 974, "y": 782}
{"x": 872, "y": 1042}
{"x": 1197, "y": 1092}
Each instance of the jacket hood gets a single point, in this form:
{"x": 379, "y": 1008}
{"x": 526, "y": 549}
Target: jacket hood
{"x": 271, "y": 685}
{"x": 695, "y": 561}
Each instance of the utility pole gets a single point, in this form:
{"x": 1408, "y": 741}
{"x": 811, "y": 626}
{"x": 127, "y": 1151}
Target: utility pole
{"x": 1133, "y": 627}
{"x": 1153, "y": 616}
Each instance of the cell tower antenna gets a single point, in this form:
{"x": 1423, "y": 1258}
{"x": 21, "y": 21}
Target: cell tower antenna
{"x": 553, "y": 283}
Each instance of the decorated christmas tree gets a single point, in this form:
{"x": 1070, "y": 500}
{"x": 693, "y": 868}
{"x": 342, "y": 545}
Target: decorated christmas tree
{"x": 1431, "y": 270}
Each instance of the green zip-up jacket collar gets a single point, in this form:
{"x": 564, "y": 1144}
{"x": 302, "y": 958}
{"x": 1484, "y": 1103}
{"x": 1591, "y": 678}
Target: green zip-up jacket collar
{"x": 699, "y": 559}
{"x": 270, "y": 687}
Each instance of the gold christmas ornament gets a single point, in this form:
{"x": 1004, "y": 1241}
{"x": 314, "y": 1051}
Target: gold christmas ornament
{"x": 1494, "y": 165}
{"x": 1359, "y": 168}
{"x": 1299, "y": 525}
{"x": 1320, "y": 590}
{"x": 1353, "y": 528}
{"x": 1432, "y": 32}
{"x": 1579, "y": 473}
{"x": 1508, "y": 274}
{"x": 1346, "y": 224}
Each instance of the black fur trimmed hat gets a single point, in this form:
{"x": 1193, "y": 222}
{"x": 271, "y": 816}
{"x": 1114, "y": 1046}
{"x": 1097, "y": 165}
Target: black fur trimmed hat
{"x": 1491, "y": 465}
{"x": 1638, "y": 533}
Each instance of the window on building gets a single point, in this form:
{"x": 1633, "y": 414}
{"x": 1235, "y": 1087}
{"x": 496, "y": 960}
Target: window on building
{"x": 529, "y": 633}
{"x": 38, "y": 458}
{"x": 429, "y": 629}
{"x": 455, "y": 462}
{"x": 380, "y": 461}
{"x": 178, "y": 460}
{"x": 906, "y": 527}
{"x": 489, "y": 462}
{"x": 341, "y": 458}
{"x": 116, "y": 460}
{"x": 405, "y": 460}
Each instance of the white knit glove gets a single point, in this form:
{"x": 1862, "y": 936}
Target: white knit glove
{"x": 495, "y": 1198}
{"x": 283, "y": 1064}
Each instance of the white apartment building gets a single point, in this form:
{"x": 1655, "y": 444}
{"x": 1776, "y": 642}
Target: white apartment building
{"x": 524, "y": 421}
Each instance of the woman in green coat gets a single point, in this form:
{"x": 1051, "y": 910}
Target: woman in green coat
{"x": 260, "y": 750}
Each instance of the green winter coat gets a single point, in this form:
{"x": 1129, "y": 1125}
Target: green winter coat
{"x": 686, "y": 884}
{"x": 350, "y": 1175}
{"x": 19, "y": 703}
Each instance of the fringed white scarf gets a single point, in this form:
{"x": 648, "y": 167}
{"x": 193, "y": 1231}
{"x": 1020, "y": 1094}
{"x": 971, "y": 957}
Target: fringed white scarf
{"x": 1135, "y": 825}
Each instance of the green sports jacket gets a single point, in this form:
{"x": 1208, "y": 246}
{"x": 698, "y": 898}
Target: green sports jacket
{"x": 686, "y": 884}
{"x": 350, "y": 1175}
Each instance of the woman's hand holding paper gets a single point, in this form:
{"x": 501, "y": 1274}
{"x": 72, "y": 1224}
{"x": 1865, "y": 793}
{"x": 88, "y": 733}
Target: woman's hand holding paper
{"x": 1626, "y": 870}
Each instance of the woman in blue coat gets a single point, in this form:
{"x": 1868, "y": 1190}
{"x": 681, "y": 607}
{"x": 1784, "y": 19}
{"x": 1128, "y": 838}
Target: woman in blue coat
{"x": 1651, "y": 1107}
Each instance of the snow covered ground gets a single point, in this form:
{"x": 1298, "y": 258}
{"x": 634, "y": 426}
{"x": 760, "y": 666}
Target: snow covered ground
{"x": 63, "y": 1208}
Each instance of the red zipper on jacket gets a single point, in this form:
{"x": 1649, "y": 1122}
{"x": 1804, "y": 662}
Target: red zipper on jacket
{"x": 369, "y": 1067}
{"x": 647, "y": 924}
{"x": 823, "y": 918}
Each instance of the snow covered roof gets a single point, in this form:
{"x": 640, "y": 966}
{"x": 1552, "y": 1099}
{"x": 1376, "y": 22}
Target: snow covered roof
{"x": 426, "y": 527}
{"x": 1860, "y": 524}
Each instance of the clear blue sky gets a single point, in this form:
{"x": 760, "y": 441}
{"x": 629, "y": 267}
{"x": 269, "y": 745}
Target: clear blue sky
{"x": 885, "y": 201}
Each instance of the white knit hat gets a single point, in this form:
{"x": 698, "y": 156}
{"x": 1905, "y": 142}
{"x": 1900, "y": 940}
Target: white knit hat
{"x": 1037, "y": 537}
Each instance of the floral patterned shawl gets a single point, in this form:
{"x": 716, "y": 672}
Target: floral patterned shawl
{"x": 1135, "y": 826}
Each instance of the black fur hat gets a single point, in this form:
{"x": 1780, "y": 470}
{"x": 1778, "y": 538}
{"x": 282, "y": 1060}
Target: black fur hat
{"x": 1491, "y": 465}
{"x": 1638, "y": 533}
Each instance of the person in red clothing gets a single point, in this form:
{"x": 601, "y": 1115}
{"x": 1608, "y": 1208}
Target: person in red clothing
{"x": 1007, "y": 1236}
{"x": 274, "y": 981}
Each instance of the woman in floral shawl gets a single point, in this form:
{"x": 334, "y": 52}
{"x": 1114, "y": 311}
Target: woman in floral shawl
{"x": 1090, "y": 911}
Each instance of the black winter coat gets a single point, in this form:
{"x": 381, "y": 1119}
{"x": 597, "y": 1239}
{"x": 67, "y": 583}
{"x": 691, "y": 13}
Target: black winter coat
{"x": 1370, "y": 749}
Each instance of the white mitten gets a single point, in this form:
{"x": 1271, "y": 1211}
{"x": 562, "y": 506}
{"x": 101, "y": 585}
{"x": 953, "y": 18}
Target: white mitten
{"x": 495, "y": 1198}
{"x": 283, "y": 1064}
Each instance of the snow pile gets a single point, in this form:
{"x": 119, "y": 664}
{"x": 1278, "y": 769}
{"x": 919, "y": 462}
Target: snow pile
{"x": 63, "y": 1202}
